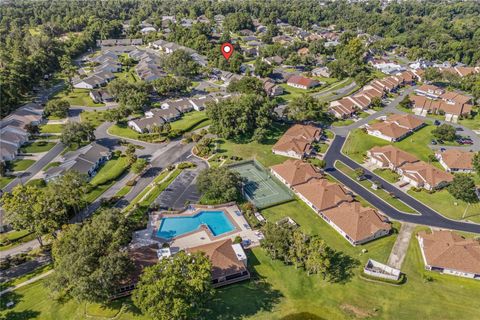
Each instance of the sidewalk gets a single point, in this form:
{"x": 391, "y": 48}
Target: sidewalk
{"x": 43, "y": 275}
{"x": 399, "y": 250}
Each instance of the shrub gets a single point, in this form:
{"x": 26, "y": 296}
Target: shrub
{"x": 131, "y": 183}
{"x": 237, "y": 239}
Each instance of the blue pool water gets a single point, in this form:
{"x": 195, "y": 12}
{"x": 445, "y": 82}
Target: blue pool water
{"x": 216, "y": 221}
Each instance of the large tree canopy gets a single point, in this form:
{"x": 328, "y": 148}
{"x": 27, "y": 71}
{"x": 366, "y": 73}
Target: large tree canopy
{"x": 241, "y": 117}
{"x": 175, "y": 288}
{"x": 89, "y": 260}
{"x": 219, "y": 185}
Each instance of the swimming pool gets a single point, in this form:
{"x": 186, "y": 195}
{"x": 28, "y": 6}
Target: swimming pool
{"x": 216, "y": 221}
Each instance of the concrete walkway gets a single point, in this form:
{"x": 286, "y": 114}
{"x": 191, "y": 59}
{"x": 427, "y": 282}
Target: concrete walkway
{"x": 43, "y": 275}
{"x": 400, "y": 247}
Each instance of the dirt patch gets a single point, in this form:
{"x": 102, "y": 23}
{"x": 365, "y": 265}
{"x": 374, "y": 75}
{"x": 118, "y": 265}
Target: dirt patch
{"x": 356, "y": 311}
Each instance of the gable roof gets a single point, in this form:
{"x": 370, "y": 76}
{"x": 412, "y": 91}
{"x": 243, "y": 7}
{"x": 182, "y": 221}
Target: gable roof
{"x": 423, "y": 172}
{"x": 457, "y": 159}
{"x": 323, "y": 194}
{"x": 391, "y": 155}
{"x": 388, "y": 129}
{"x": 296, "y": 171}
{"x": 356, "y": 221}
{"x": 405, "y": 120}
{"x": 447, "y": 249}
{"x": 302, "y": 81}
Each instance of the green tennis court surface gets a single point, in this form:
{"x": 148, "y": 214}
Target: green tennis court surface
{"x": 261, "y": 188}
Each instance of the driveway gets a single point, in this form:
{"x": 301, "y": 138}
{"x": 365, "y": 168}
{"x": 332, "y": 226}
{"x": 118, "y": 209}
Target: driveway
{"x": 183, "y": 189}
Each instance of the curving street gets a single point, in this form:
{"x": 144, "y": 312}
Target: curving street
{"x": 427, "y": 215}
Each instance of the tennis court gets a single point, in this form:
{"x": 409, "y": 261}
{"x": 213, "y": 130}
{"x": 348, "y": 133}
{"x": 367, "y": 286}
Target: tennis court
{"x": 261, "y": 188}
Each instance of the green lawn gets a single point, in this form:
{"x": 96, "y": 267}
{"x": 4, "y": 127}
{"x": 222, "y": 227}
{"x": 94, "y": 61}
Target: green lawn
{"x": 123, "y": 191}
{"x": 106, "y": 177}
{"x": 37, "y": 147}
{"x": 78, "y": 97}
{"x": 342, "y": 123}
{"x": 95, "y": 118}
{"x": 473, "y": 123}
{"x": 14, "y": 238}
{"x": 283, "y": 292}
{"x": 110, "y": 170}
{"x": 51, "y": 165}
{"x": 122, "y": 130}
{"x": 260, "y": 151}
{"x": 5, "y": 180}
{"x": 191, "y": 121}
{"x": 51, "y": 128}
{"x": 130, "y": 76}
{"x": 388, "y": 175}
{"x": 443, "y": 202}
{"x": 21, "y": 165}
{"x": 359, "y": 142}
{"x": 382, "y": 194}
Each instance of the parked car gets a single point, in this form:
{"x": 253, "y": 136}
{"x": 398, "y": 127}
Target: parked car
{"x": 440, "y": 141}
{"x": 443, "y": 149}
{"x": 433, "y": 142}
{"x": 459, "y": 129}
{"x": 436, "y": 122}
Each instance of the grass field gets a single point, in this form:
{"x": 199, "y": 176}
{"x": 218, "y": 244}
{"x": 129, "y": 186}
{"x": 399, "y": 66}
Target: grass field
{"x": 359, "y": 142}
{"x": 382, "y": 194}
{"x": 51, "y": 128}
{"x": 5, "y": 180}
{"x": 21, "y": 164}
{"x": 122, "y": 130}
{"x": 111, "y": 170}
{"x": 51, "y": 165}
{"x": 37, "y": 147}
{"x": 78, "y": 97}
{"x": 95, "y": 118}
{"x": 262, "y": 152}
{"x": 191, "y": 121}
{"x": 14, "y": 238}
{"x": 283, "y": 292}
{"x": 387, "y": 174}
{"x": 443, "y": 202}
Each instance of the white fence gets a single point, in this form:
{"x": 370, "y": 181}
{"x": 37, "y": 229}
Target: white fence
{"x": 380, "y": 270}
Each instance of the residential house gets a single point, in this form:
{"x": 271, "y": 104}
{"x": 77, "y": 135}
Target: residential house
{"x": 303, "y": 51}
{"x": 146, "y": 124}
{"x": 168, "y": 114}
{"x": 321, "y": 72}
{"x": 275, "y": 60}
{"x": 297, "y": 141}
{"x": 356, "y": 223}
{"x": 450, "y": 253}
{"x": 200, "y": 103}
{"x": 453, "y": 105}
{"x": 271, "y": 88}
{"x": 294, "y": 172}
{"x": 321, "y": 194}
{"x": 456, "y": 160}
{"x": 430, "y": 91}
{"x": 423, "y": 175}
{"x": 302, "y": 82}
{"x": 395, "y": 127}
{"x": 85, "y": 160}
{"x": 95, "y": 80}
{"x": 182, "y": 105}
{"x": 99, "y": 96}
{"x": 229, "y": 261}
{"x": 343, "y": 108}
{"x": 389, "y": 157}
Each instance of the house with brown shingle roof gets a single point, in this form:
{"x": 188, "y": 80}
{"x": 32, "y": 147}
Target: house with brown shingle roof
{"x": 320, "y": 194}
{"x": 389, "y": 157}
{"x": 456, "y": 160}
{"x": 395, "y": 127}
{"x": 452, "y": 108}
{"x": 295, "y": 172}
{"x": 450, "y": 253}
{"x": 229, "y": 261}
{"x": 423, "y": 175}
{"x": 343, "y": 108}
{"x": 297, "y": 141}
{"x": 356, "y": 223}
{"x": 429, "y": 91}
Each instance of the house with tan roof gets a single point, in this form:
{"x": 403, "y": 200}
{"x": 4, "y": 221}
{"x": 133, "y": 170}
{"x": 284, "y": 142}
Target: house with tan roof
{"x": 450, "y": 253}
{"x": 389, "y": 157}
{"x": 295, "y": 172}
{"x": 395, "y": 127}
{"x": 320, "y": 194}
{"x": 429, "y": 91}
{"x": 451, "y": 108}
{"x": 229, "y": 261}
{"x": 297, "y": 141}
{"x": 423, "y": 175}
{"x": 456, "y": 160}
{"x": 343, "y": 108}
{"x": 356, "y": 223}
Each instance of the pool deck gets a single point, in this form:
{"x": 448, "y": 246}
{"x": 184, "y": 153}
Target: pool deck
{"x": 201, "y": 236}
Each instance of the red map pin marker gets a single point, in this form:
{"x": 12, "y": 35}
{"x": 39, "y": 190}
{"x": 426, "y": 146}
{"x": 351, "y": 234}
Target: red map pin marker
{"x": 227, "y": 50}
